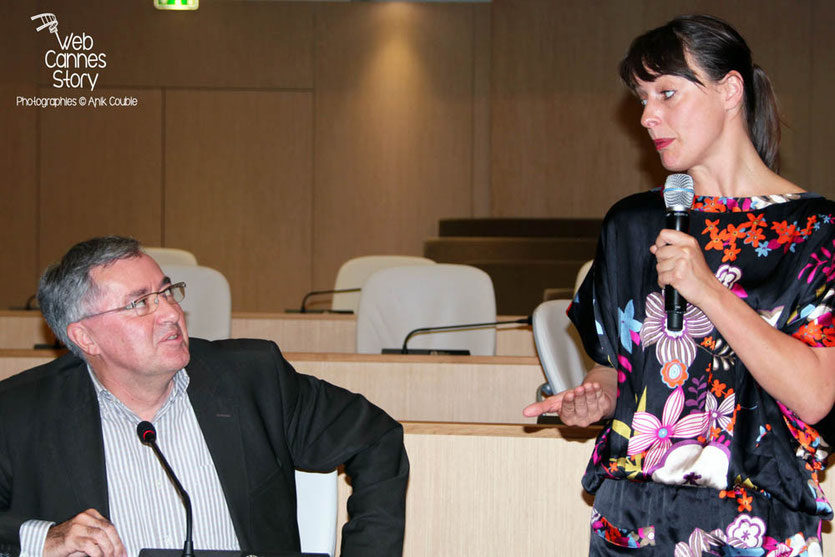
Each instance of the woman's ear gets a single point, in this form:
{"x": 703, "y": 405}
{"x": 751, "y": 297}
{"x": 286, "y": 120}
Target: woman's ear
{"x": 733, "y": 90}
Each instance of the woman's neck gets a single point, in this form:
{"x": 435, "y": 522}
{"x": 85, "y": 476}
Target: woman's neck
{"x": 741, "y": 174}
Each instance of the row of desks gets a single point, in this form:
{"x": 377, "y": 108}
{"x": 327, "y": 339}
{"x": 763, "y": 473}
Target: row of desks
{"x": 475, "y": 488}
{"x": 410, "y": 388}
{"x": 293, "y": 332}
{"x": 499, "y": 487}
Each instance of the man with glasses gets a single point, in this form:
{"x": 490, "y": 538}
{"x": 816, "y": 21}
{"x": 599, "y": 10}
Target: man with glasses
{"x": 233, "y": 417}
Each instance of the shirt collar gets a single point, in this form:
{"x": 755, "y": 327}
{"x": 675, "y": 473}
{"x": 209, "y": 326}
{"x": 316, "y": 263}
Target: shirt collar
{"x": 109, "y": 403}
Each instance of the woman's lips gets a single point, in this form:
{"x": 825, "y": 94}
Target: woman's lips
{"x": 661, "y": 143}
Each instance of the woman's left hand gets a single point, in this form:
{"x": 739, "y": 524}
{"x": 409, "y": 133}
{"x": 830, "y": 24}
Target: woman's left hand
{"x": 680, "y": 263}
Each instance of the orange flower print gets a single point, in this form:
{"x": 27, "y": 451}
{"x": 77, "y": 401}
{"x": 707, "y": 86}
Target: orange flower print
{"x": 716, "y": 243}
{"x": 828, "y": 336}
{"x": 718, "y": 388}
{"x": 754, "y": 237}
{"x": 730, "y": 253}
{"x": 733, "y": 233}
{"x": 710, "y": 227}
{"x": 756, "y": 220}
{"x": 810, "y": 225}
{"x": 810, "y": 333}
{"x": 674, "y": 374}
{"x": 744, "y": 502}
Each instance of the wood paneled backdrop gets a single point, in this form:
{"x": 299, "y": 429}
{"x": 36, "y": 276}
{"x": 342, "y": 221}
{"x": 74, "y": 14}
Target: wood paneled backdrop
{"x": 277, "y": 139}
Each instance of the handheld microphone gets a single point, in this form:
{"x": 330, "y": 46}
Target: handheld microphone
{"x": 148, "y": 435}
{"x": 678, "y": 198}
{"x": 443, "y": 328}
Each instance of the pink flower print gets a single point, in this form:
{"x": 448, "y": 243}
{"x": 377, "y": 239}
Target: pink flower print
{"x": 671, "y": 345}
{"x": 729, "y": 276}
{"x": 700, "y": 542}
{"x": 657, "y": 435}
{"x": 746, "y": 531}
{"x": 719, "y": 415}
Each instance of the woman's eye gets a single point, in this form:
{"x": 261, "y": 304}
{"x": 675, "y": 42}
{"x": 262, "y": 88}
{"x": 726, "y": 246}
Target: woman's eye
{"x": 643, "y": 102}
{"x": 667, "y": 93}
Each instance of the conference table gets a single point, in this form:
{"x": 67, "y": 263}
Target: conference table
{"x": 293, "y": 332}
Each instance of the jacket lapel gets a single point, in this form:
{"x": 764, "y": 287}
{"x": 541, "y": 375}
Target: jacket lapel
{"x": 78, "y": 444}
{"x": 221, "y": 428}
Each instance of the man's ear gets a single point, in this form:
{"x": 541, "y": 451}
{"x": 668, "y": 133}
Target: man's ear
{"x": 733, "y": 88}
{"x": 82, "y": 337}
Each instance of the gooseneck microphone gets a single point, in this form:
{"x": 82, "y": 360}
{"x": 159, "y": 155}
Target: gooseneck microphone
{"x": 678, "y": 198}
{"x": 148, "y": 435}
{"x": 303, "y": 308}
{"x": 445, "y": 328}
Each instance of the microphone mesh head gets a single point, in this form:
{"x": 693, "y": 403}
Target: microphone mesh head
{"x": 678, "y": 192}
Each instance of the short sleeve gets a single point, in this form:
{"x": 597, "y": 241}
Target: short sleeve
{"x": 812, "y": 320}
{"x": 594, "y": 308}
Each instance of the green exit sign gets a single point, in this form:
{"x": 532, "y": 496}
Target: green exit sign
{"x": 176, "y": 4}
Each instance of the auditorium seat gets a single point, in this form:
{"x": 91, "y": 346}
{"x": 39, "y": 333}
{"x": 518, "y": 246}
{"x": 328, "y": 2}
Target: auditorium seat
{"x": 397, "y": 300}
{"x": 208, "y": 301}
{"x": 354, "y": 272}
{"x": 176, "y": 256}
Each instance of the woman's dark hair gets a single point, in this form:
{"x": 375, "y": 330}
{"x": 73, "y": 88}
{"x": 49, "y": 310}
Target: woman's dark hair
{"x": 717, "y": 49}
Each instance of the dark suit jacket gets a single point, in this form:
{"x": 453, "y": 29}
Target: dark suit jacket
{"x": 260, "y": 419}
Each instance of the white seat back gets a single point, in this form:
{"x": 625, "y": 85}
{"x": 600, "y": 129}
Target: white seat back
{"x": 397, "y": 300}
{"x": 581, "y": 275}
{"x": 558, "y": 346}
{"x": 208, "y": 301}
{"x": 175, "y": 256}
{"x": 354, "y": 272}
{"x": 316, "y": 511}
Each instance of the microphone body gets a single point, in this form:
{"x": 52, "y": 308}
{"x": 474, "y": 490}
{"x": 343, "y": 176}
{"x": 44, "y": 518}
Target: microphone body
{"x": 678, "y": 198}
{"x": 148, "y": 435}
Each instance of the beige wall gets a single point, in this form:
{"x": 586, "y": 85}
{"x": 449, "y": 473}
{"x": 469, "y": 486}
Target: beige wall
{"x": 277, "y": 139}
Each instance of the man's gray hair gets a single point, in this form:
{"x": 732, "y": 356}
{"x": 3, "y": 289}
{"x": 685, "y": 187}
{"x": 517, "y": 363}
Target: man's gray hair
{"x": 66, "y": 291}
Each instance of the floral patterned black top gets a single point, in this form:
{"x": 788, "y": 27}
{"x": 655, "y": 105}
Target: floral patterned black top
{"x": 688, "y": 411}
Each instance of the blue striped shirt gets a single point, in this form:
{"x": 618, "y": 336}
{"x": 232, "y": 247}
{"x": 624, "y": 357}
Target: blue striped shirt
{"x": 144, "y": 506}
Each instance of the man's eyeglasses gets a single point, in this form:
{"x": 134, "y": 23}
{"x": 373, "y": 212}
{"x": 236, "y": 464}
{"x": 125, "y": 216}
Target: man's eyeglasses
{"x": 149, "y": 303}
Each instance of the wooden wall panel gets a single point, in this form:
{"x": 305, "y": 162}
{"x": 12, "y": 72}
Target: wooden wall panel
{"x": 238, "y": 189}
{"x": 566, "y": 138}
{"x": 558, "y": 110}
{"x": 417, "y": 111}
{"x": 394, "y": 121}
{"x": 18, "y": 156}
{"x": 225, "y": 43}
{"x": 822, "y": 110}
{"x": 100, "y": 172}
{"x": 481, "y": 113}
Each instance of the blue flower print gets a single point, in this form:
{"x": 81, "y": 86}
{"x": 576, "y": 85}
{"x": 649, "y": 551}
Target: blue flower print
{"x": 627, "y": 325}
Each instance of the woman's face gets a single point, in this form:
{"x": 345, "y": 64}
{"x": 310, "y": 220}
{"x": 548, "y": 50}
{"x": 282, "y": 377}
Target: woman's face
{"x": 684, "y": 119}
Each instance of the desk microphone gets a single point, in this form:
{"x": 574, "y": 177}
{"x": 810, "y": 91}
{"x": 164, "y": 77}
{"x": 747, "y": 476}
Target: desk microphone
{"x": 444, "y": 328}
{"x": 678, "y": 198}
{"x": 303, "y": 308}
{"x": 148, "y": 435}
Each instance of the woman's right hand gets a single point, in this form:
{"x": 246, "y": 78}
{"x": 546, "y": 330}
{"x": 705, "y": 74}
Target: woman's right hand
{"x": 590, "y": 402}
